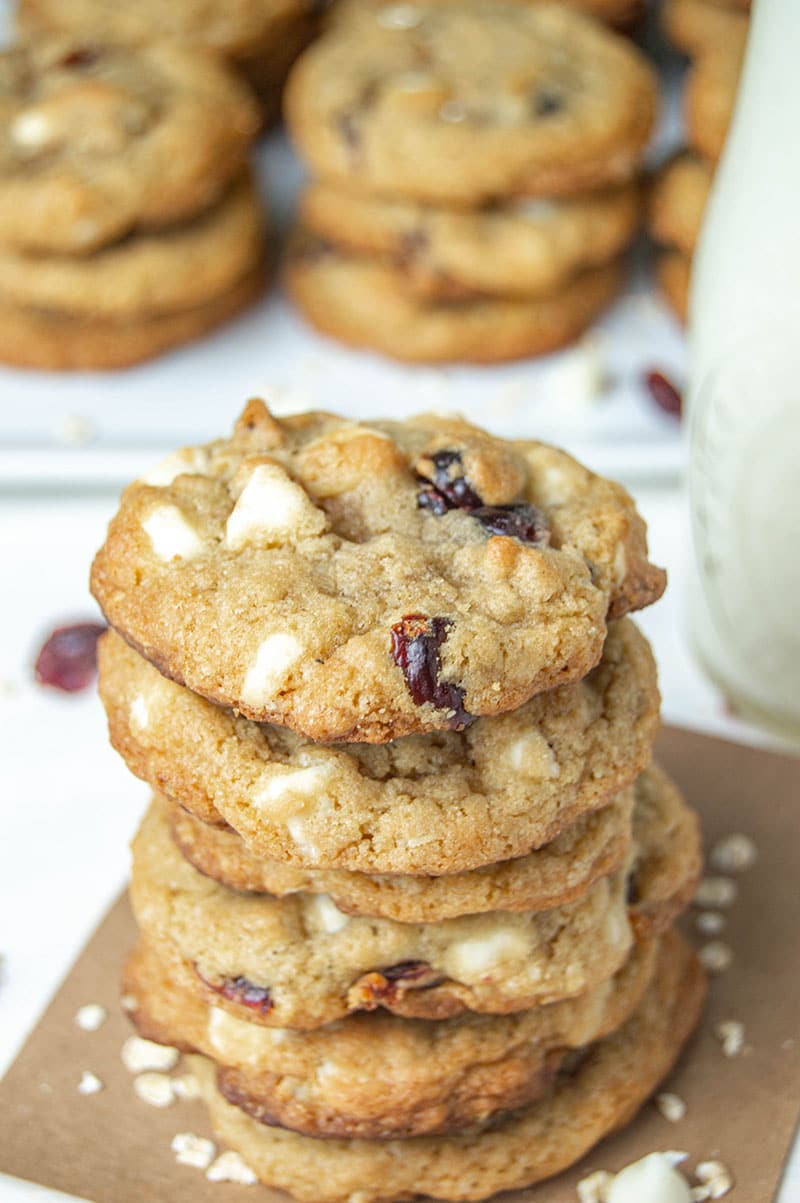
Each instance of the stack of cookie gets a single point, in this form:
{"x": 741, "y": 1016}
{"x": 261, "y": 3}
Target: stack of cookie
{"x": 474, "y": 170}
{"x": 714, "y": 34}
{"x": 259, "y": 38}
{"x": 409, "y": 875}
{"x": 129, "y": 221}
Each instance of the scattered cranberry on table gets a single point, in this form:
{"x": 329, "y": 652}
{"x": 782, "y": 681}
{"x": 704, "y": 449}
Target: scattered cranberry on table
{"x": 664, "y": 393}
{"x": 67, "y": 659}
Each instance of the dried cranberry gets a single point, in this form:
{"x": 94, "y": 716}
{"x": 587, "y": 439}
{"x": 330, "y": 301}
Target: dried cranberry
{"x": 522, "y": 521}
{"x": 81, "y": 56}
{"x": 241, "y": 990}
{"x": 382, "y": 987}
{"x": 407, "y": 971}
{"x": 416, "y": 640}
{"x": 447, "y": 486}
{"x": 664, "y": 393}
{"x": 68, "y": 658}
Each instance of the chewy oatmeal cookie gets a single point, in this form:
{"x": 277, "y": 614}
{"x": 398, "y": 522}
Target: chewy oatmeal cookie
{"x": 364, "y": 582}
{"x": 98, "y": 140}
{"x": 380, "y": 1076}
{"x": 471, "y": 102}
{"x": 435, "y": 804}
{"x": 299, "y": 961}
{"x": 587, "y": 1102}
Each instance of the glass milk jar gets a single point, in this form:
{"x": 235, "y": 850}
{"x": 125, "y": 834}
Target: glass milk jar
{"x": 744, "y": 390}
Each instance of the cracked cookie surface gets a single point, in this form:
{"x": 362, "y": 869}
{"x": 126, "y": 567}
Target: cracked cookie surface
{"x": 371, "y": 580}
{"x": 431, "y": 804}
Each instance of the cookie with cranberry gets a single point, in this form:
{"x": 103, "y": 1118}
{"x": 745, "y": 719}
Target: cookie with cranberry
{"x": 522, "y": 249}
{"x": 461, "y": 104}
{"x": 414, "y": 1076}
{"x": 360, "y": 581}
{"x": 375, "y": 304}
{"x": 590, "y": 1098}
{"x": 97, "y": 140}
{"x": 299, "y": 961}
{"x": 622, "y": 14}
{"x": 515, "y": 781}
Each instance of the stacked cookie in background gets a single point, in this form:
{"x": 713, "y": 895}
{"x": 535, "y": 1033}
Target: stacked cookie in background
{"x": 714, "y": 35}
{"x": 260, "y": 39}
{"x": 474, "y": 172}
{"x": 129, "y": 221}
{"x": 409, "y": 875}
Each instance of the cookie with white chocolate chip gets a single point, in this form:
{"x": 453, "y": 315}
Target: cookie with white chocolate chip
{"x": 365, "y": 581}
{"x": 97, "y": 140}
{"x": 461, "y": 104}
{"x": 415, "y": 1076}
{"x": 299, "y": 961}
{"x": 589, "y": 1100}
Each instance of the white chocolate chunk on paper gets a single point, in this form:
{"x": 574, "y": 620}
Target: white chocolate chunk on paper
{"x": 171, "y": 536}
{"x": 272, "y": 509}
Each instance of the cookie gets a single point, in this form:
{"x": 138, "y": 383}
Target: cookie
{"x": 378, "y": 1076}
{"x": 440, "y": 804}
{"x": 463, "y": 104}
{"x": 299, "y": 961}
{"x": 678, "y": 201}
{"x": 622, "y": 14}
{"x": 599, "y": 1095}
{"x": 710, "y": 96}
{"x": 673, "y": 272}
{"x": 525, "y": 249}
{"x": 52, "y": 341}
{"x": 561, "y": 871}
{"x": 373, "y": 580}
{"x": 149, "y": 273}
{"x": 372, "y": 304}
{"x": 596, "y": 845}
{"x": 266, "y": 64}
{"x": 86, "y": 130}
{"x": 695, "y": 26}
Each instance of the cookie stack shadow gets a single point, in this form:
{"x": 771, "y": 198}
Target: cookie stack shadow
{"x": 129, "y": 220}
{"x": 474, "y": 175}
{"x": 713, "y": 33}
{"x": 408, "y": 880}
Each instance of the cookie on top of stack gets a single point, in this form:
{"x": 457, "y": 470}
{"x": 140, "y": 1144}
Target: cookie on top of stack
{"x": 260, "y": 39}
{"x": 714, "y": 34}
{"x": 474, "y": 171}
{"x": 129, "y": 221}
{"x": 410, "y": 872}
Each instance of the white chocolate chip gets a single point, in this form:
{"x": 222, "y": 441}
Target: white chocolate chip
{"x": 171, "y": 536}
{"x": 710, "y": 923}
{"x": 652, "y": 1179}
{"x": 471, "y": 959}
{"x": 323, "y": 913}
{"x": 272, "y": 509}
{"x": 734, "y": 854}
{"x": 139, "y": 1054}
{"x": 716, "y": 892}
{"x": 91, "y": 1017}
{"x": 398, "y": 16}
{"x": 671, "y": 1106}
{"x": 89, "y": 1083}
{"x": 139, "y": 714}
{"x": 76, "y": 430}
{"x": 192, "y": 461}
{"x": 268, "y": 672}
{"x": 154, "y": 1088}
{"x": 730, "y": 1034}
{"x": 192, "y": 1150}
{"x": 230, "y": 1167}
{"x": 32, "y": 130}
{"x": 453, "y": 111}
{"x": 186, "y": 1086}
{"x": 129, "y": 1002}
{"x": 715, "y": 956}
{"x": 716, "y": 1179}
{"x": 532, "y": 756}
{"x": 239, "y": 1040}
{"x": 595, "y": 1187}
